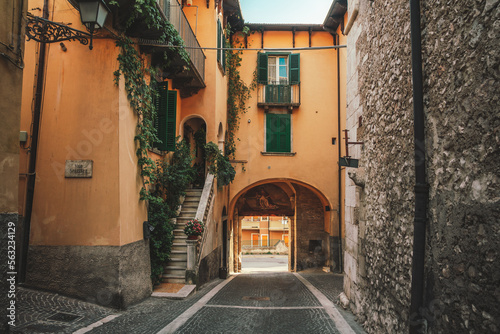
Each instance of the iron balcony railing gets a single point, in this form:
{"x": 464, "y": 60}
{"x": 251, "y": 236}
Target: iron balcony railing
{"x": 174, "y": 14}
{"x": 278, "y": 93}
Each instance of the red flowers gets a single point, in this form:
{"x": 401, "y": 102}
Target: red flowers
{"x": 194, "y": 227}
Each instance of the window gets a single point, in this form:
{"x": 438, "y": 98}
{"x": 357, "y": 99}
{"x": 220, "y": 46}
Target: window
{"x": 278, "y": 69}
{"x": 165, "y": 121}
{"x": 278, "y": 133}
{"x": 221, "y": 43}
{"x": 280, "y": 75}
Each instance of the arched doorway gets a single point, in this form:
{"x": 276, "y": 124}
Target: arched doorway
{"x": 195, "y": 134}
{"x": 283, "y": 212}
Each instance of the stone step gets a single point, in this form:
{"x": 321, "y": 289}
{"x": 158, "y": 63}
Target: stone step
{"x": 173, "y": 278}
{"x": 190, "y": 205}
{"x": 194, "y": 192}
{"x": 179, "y": 234}
{"x": 179, "y": 254}
{"x": 176, "y": 271}
{"x": 192, "y": 199}
{"x": 187, "y": 215}
{"x": 179, "y": 246}
{"x": 178, "y": 262}
{"x": 189, "y": 210}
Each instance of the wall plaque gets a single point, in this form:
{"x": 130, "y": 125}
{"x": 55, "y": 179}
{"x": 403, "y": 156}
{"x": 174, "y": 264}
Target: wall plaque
{"x": 78, "y": 168}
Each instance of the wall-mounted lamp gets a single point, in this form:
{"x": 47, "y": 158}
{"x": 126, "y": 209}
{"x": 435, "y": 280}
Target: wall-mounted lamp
{"x": 93, "y": 14}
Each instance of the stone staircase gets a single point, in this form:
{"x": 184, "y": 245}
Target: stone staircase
{"x": 175, "y": 270}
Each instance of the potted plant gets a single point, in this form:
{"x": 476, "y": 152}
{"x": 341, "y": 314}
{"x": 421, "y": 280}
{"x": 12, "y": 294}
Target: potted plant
{"x": 194, "y": 228}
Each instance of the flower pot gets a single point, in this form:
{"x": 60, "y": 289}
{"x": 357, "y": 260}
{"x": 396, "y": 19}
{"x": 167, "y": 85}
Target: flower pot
{"x": 192, "y": 237}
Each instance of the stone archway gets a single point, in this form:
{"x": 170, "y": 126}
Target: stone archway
{"x": 308, "y": 212}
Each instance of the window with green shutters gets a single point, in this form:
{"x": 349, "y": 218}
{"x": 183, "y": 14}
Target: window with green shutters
{"x": 278, "y": 72}
{"x": 165, "y": 122}
{"x": 270, "y": 71}
{"x": 221, "y": 43}
{"x": 278, "y": 133}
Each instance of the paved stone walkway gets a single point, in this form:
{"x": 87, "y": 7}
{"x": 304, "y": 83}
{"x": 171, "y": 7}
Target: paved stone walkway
{"x": 265, "y": 302}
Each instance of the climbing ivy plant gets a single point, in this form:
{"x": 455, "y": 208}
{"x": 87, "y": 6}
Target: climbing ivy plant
{"x": 238, "y": 92}
{"x": 219, "y": 164}
{"x": 163, "y": 182}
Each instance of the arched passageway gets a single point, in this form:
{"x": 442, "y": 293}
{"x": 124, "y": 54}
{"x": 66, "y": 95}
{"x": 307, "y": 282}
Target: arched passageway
{"x": 284, "y": 214}
{"x": 194, "y": 132}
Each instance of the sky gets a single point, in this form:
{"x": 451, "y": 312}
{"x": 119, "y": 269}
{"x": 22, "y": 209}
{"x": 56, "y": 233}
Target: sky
{"x": 285, "y": 11}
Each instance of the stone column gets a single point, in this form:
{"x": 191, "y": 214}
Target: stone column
{"x": 191, "y": 275}
{"x": 191, "y": 254}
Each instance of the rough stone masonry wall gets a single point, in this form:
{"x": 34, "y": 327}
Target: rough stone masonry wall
{"x": 461, "y": 53}
{"x": 461, "y": 84}
{"x": 379, "y": 196}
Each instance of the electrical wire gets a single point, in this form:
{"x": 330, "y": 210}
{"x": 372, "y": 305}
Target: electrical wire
{"x": 154, "y": 43}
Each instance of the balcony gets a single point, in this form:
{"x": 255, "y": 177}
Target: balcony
{"x": 188, "y": 76}
{"x": 278, "y": 95}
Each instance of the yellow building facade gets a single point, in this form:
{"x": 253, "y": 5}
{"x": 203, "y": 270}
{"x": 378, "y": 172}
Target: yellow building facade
{"x": 288, "y": 149}
{"x": 85, "y": 225}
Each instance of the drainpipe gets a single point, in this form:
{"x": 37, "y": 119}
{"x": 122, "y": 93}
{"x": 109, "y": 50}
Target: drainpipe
{"x": 417, "y": 323}
{"x": 341, "y": 264}
{"x": 33, "y": 152}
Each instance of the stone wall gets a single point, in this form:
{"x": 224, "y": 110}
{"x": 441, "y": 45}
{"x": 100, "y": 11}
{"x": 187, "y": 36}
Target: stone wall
{"x": 460, "y": 54}
{"x": 209, "y": 266}
{"x": 112, "y": 276}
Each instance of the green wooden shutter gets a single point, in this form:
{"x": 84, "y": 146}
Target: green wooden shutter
{"x": 160, "y": 121}
{"x": 219, "y": 41}
{"x": 262, "y": 68}
{"x": 294, "y": 68}
{"x": 285, "y": 134}
{"x": 166, "y": 114}
{"x": 278, "y": 133}
{"x": 171, "y": 120}
{"x": 224, "y": 54}
{"x": 271, "y": 126}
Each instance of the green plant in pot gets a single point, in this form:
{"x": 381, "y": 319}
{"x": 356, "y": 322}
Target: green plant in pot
{"x": 194, "y": 228}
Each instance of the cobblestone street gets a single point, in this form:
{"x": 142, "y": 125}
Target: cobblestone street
{"x": 259, "y": 302}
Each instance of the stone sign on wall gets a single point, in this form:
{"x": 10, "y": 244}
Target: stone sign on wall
{"x": 78, "y": 168}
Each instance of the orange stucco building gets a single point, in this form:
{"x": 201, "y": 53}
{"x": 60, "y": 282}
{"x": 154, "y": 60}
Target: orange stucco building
{"x": 84, "y": 219}
{"x": 289, "y": 144}
{"x": 86, "y": 236}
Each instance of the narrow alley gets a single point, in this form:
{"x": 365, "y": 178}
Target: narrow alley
{"x": 260, "y": 300}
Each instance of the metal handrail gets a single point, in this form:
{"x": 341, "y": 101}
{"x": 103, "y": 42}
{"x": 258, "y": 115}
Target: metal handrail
{"x": 279, "y": 93}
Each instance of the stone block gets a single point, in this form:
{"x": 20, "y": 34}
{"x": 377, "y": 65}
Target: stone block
{"x": 112, "y": 276}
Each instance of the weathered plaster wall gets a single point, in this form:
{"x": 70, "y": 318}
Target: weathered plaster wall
{"x": 461, "y": 84}
{"x": 11, "y": 76}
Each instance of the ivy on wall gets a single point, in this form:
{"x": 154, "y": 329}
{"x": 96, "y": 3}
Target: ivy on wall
{"x": 164, "y": 181}
{"x": 238, "y": 92}
{"x": 219, "y": 164}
